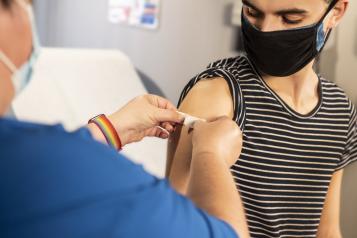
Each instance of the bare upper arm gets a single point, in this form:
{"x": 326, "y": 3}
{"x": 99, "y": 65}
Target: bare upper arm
{"x": 208, "y": 99}
{"x": 330, "y": 218}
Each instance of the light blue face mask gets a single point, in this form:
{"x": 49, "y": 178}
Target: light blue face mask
{"x": 22, "y": 76}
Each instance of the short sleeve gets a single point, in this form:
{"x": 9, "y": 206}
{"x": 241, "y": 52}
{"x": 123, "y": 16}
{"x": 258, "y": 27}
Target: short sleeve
{"x": 222, "y": 69}
{"x": 350, "y": 153}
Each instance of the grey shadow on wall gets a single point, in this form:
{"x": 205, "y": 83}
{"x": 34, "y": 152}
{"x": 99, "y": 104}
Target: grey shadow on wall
{"x": 355, "y": 40}
{"x": 237, "y": 45}
{"x": 150, "y": 84}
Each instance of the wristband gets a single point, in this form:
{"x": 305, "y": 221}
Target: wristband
{"x": 108, "y": 130}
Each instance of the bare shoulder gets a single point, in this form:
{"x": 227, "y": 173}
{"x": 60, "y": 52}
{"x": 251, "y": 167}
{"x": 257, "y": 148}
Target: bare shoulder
{"x": 209, "y": 98}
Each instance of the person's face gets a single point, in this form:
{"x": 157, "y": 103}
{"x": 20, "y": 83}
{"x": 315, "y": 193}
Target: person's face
{"x": 16, "y": 43}
{"x": 275, "y": 15}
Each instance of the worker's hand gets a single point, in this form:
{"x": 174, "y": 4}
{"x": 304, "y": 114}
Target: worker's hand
{"x": 221, "y": 139}
{"x": 141, "y": 116}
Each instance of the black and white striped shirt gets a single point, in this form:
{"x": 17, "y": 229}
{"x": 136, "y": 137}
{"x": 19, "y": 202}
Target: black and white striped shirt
{"x": 288, "y": 159}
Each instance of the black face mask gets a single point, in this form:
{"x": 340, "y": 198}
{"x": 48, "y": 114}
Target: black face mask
{"x": 284, "y": 53}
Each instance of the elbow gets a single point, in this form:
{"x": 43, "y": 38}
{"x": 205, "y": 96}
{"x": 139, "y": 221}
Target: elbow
{"x": 240, "y": 235}
{"x": 241, "y": 232}
{"x": 332, "y": 233}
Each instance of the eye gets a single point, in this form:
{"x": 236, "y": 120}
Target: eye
{"x": 251, "y": 12}
{"x": 292, "y": 19}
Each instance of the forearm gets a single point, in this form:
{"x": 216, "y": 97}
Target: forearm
{"x": 212, "y": 188}
{"x": 172, "y": 150}
{"x": 329, "y": 233}
{"x": 178, "y": 163}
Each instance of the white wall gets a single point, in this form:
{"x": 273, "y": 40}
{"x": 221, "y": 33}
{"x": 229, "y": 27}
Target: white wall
{"x": 340, "y": 64}
{"x": 192, "y": 34}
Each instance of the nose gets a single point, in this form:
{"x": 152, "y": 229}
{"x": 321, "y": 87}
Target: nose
{"x": 268, "y": 24}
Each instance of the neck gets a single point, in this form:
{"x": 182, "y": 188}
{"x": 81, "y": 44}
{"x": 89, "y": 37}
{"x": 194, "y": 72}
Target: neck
{"x": 300, "y": 90}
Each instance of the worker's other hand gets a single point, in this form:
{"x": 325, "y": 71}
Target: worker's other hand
{"x": 221, "y": 139}
{"x": 141, "y": 116}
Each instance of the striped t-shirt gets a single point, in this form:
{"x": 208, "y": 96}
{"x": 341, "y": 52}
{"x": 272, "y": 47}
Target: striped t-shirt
{"x": 287, "y": 159}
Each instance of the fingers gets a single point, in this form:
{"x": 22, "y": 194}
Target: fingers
{"x": 164, "y": 136}
{"x": 166, "y": 115}
{"x": 164, "y": 110}
{"x": 161, "y": 134}
{"x": 161, "y": 102}
{"x": 169, "y": 127}
{"x": 158, "y": 132}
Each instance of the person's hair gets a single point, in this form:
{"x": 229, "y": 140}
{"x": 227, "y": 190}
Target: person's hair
{"x": 5, "y": 3}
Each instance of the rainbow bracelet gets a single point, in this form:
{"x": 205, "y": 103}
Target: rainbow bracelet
{"x": 108, "y": 130}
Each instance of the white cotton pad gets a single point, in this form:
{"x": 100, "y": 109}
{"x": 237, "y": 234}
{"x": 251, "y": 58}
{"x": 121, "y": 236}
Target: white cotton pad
{"x": 190, "y": 120}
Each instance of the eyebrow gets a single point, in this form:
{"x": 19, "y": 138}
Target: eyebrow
{"x": 280, "y": 12}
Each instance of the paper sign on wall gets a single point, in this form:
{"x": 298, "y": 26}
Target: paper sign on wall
{"x": 142, "y": 13}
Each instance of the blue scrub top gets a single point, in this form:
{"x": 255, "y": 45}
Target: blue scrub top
{"x": 59, "y": 184}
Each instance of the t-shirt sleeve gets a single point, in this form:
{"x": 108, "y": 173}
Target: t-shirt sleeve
{"x": 350, "y": 153}
{"x": 219, "y": 69}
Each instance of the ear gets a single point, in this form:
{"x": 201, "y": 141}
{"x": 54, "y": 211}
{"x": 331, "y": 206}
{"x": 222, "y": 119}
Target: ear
{"x": 337, "y": 13}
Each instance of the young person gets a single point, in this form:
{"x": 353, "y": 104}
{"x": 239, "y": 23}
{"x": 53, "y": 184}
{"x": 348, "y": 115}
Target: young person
{"x": 299, "y": 129}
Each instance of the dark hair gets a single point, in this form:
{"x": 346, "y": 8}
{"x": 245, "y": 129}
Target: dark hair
{"x": 6, "y": 3}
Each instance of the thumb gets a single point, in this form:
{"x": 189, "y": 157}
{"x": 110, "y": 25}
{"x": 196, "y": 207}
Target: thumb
{"x": 168, "y": 115}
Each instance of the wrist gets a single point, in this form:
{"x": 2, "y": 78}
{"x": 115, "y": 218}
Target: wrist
{"x": 96, "y": 133}
{"x": 121, "y": 128}
{"x": 103, "y": 130}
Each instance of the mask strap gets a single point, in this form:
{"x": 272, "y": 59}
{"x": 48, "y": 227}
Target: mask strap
{"x": 327, "y": 36}
{"x": 7, "y": 62}
{"x": 326, "y": 39}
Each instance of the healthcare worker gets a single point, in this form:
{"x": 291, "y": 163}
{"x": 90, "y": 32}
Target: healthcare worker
{"x": 59, "y": 184}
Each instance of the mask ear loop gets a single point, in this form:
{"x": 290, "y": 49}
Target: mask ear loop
{"x": 8, "y": 63}
{"x": 331, "y": 6}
